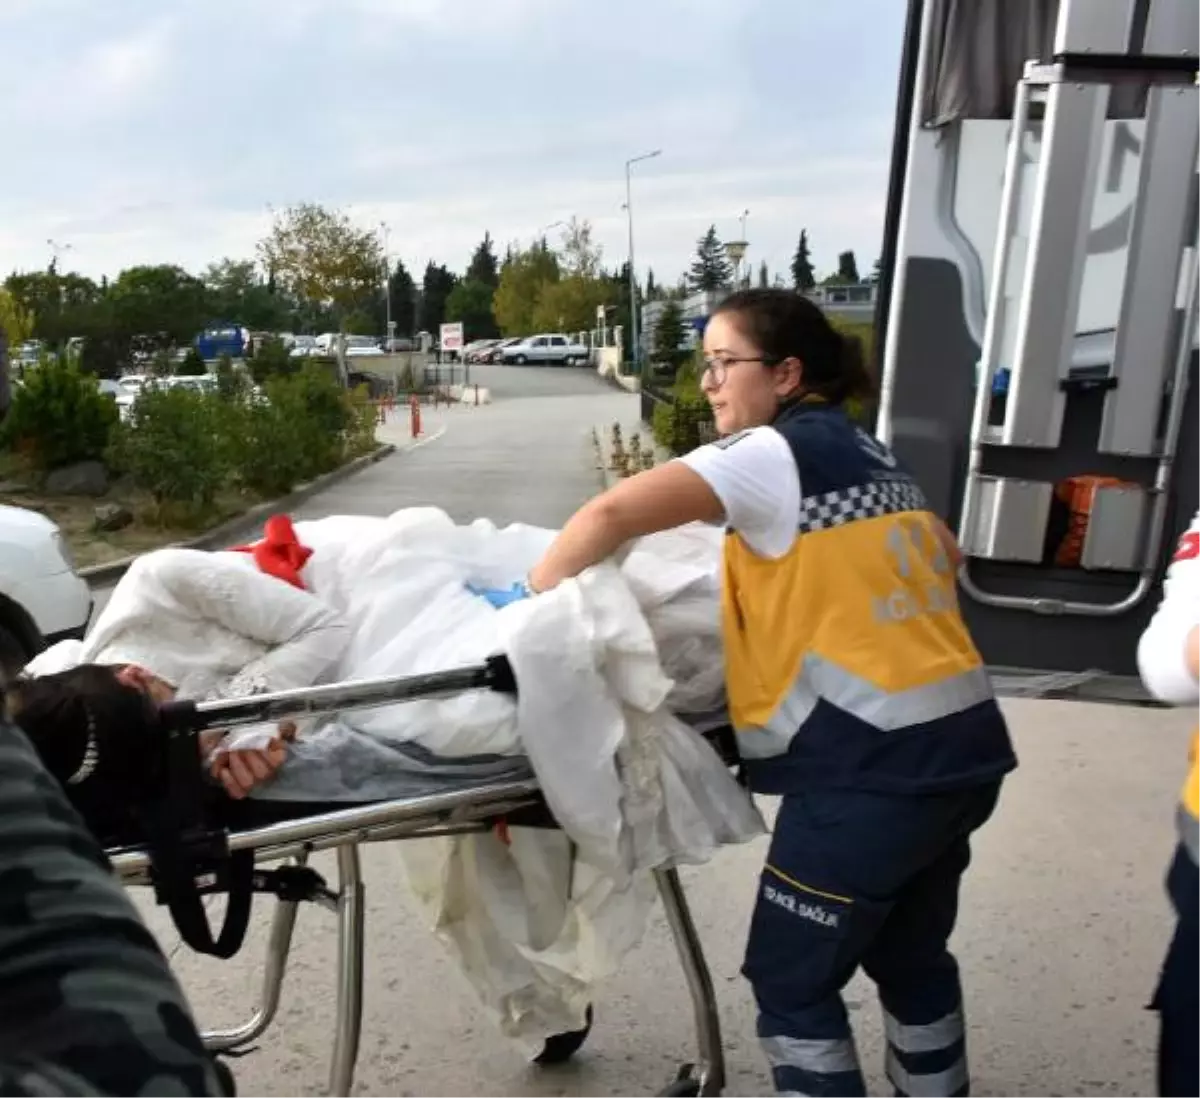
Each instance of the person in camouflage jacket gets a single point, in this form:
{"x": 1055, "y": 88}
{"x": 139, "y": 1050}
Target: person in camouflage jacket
{"x": 88, "y": 1003}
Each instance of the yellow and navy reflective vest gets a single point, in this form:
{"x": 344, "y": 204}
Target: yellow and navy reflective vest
{"x": 1189, "y": 804}
{"x": 847, "y": 661}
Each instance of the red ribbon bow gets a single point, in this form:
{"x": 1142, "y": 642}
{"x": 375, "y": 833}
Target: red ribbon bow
{"x": 280, "y": 553}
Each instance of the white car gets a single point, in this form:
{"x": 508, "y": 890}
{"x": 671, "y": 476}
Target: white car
{"x": 42, "y": 598}
{"x": 552, "y": 347}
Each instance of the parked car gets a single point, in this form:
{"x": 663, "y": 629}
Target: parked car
{"x": 548, "y": 348}
{"x": 474, "y": 351}
{"x": 42, "y": 598}
{"x": 362, "y": 347}
{"x": 496, "y": 353}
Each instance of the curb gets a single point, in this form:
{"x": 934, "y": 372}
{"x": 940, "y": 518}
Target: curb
{"x": 231, "y": 530}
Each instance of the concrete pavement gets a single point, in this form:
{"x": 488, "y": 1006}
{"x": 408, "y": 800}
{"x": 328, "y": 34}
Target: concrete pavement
{"x": 1063, "y": 922}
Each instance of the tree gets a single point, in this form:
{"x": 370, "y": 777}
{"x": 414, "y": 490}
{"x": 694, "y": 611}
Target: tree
{"x": 804, "y": 278}
{"x": 16, "y": 320}
{"x": 192, "y": 364}
{"x": 651, "y": 289}
{"x": 163, "y": 301}
{"x": 238, "y": 295}
{"x": 847, "y": 271}
{"x": 711, "y": 269}
{"x": 470, "y": 303}
{"x": 484, "y": 266}
{"x": 402, "y": 291}
{"x": 876, "y": 272}
{"x": 320, "y": 257}
{"x": 522, "y": 283}
{"x": 764, "y": 277}
{"x": 436, "y": 288}
{"x": 667, "y": 353}
{"x": 569, "y": 304}
{"x": 62, "y": 304}
{"x": 580, "y": 256}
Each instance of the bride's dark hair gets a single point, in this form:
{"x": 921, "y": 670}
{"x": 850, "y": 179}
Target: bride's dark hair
{"x": 90, "y": 731}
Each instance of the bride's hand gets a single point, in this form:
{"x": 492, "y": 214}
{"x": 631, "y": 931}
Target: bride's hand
{"x": 241, "y": 770}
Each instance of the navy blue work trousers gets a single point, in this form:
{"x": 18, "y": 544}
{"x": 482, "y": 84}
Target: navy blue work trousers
{"x": 856, "y": 879}
{"x": 1177, "y": 997}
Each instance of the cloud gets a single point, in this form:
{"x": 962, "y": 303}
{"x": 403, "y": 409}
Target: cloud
{"x": 145, "y": 133}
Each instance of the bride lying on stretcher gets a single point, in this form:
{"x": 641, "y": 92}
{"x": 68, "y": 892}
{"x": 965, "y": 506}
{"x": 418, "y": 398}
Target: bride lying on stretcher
{"x": 350, "y": 598}
{"x": 191, "y": 624}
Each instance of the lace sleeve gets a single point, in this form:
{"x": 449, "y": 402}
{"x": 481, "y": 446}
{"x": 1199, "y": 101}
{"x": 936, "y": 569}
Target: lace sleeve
{"x": 304, "y": 636}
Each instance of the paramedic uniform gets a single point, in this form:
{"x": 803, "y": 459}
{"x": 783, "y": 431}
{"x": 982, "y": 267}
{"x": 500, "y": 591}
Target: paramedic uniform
{"x": 858, "y": 696}
{"x": 1163, "y": 666}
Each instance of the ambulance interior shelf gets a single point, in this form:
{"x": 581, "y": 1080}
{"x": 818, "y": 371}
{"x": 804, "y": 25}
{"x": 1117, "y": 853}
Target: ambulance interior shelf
{"x": 1063, "y": 507}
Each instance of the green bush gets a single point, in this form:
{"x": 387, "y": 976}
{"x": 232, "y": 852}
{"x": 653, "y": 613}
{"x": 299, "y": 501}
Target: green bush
{"x": 315, "y": 404}
{"x": 59, "y": 416}
{"x": 231, "y": 383}
{"x": 193, "y": 364}
{"x": 272, "y": 359}
{"x": 172, "y": 446}
{"x": 360, "y": 434}
{"x": 264, "y": 446}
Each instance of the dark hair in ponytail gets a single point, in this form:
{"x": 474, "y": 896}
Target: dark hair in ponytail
{"x": 785, "y": 324}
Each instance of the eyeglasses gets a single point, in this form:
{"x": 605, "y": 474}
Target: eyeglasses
{"x": 718, "y": 367}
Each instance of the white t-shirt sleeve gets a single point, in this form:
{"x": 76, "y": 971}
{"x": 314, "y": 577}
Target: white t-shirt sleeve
{"x": 754, "y": 475}
{"x": 1162, "y": 658}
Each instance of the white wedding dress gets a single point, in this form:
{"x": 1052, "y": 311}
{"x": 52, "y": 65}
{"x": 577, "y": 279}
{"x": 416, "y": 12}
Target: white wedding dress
{"x": 603, "y": 663}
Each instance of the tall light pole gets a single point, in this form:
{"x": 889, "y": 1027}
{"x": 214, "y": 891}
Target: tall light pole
{"x": 387, "y": 286}
{"x": 633, "y": 317}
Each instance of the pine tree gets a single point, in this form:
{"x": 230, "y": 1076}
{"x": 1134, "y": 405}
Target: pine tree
{"x": 483, "y": 267}
{"x": 803, "y": 276}
{"x": 403, "y": 294}
{"x": 669, "y": 334}
{"x": 764, "y": 278}
{"x": 651, "y": 288}
{"x": 711, "y": 269}
{"x": 847, "y": 271}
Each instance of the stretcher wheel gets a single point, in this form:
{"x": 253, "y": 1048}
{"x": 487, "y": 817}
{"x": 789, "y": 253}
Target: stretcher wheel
{"x": 559, "y": 1048}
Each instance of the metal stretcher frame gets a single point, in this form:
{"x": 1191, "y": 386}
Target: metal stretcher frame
{"x": 471, "y": 809}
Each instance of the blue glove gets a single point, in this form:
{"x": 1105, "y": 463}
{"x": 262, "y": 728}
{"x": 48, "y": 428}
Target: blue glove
{"x": 501, "y": 597}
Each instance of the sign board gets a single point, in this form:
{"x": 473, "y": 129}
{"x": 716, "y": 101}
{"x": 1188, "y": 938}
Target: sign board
{"x": 451, "y": 337}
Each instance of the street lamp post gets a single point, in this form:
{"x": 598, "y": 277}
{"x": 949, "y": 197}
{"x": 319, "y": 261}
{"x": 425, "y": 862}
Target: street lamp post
{"x": 736, "y": 250}
{"x": 633, "y": 317}
{"x": 387, "y": 286}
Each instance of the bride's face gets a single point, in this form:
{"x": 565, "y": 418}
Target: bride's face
{"x": 157, "y": 690}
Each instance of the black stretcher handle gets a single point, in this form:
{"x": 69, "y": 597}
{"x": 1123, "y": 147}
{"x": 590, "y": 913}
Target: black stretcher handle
{"x": 186, "y": 716}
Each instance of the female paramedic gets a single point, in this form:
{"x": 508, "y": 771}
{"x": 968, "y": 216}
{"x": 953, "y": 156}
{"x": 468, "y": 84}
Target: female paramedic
{"x": 1169, "y": 662}
{"x": 853, "y": 684}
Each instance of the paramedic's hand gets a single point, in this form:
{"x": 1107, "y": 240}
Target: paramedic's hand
{"x": 501, "y": 597}
{"x": 243, "y": 769}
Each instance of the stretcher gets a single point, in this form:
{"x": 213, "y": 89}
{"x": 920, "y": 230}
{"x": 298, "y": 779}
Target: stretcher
{"x": 263, "y": 833}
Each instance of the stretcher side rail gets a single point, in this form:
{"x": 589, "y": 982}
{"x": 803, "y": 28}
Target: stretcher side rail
{"x": 475, "y": 807}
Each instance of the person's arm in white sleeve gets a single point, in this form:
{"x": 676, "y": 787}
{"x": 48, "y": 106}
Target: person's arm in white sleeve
{"x": 725, "y": 481}
{"x": 1169, "y": 649}
{"x": 304, "y": 636}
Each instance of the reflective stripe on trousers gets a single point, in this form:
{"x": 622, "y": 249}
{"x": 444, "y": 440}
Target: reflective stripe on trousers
{"x": 929, "y": 1059}
{"x": 813, "y": 1066}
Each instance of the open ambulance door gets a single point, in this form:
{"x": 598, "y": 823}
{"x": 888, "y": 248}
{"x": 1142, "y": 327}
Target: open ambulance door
{"x": 1037, "y": 317}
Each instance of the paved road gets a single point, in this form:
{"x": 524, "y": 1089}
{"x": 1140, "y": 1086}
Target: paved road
{"x": 1063, "y": 924}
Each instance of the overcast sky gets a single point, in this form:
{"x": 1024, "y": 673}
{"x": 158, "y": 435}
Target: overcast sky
{"x": 144, "y": 131}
